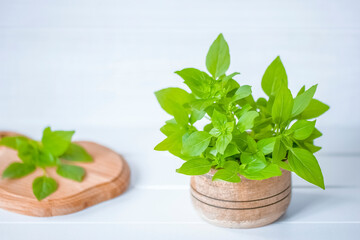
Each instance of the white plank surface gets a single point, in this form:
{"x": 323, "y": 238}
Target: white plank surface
{"x": 93, "y": 66}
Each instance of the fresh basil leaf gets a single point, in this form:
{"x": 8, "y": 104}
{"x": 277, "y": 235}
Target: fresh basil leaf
{"x": 218, "y": 57}
{"x": 198, "y": 166}
{"x": 305, "y": 165}
{"x": 76, "y": 153}
{"x": 271, "y": 170}
{"x": 229, "y": 77}
{"x": 46, "y": 159}
{"x": 314, "y": 110}
{"x": 243, "y": 110}
{"x": 43, "y": 187}
{"x": 229, "y": 127}
{"x": 223, "y": 141}
{"x": 229, "y": 172}
{"x": 254, "y": 161}
{"x": 231, "y": 150}
{"x": 266, "y": 145}
{"x": 251, "y": 144}
{"x": 201, "y": 104}
{"x": 284, "y": 165}
{"x": 196, "y": 143}
{"x": 170, "y": 127}
{"x": 230, "y": 87}
{"x": 199, "y": 82}
{"x": 282, "y": 107}
{"x": 11, "y": 142}
{"x": 274, "y": 78}
{"x": 28, "y": 151}
{"x": 215, "y": 132}
{"x": 196, "y": 115}
{"x": 246, "y": 121}
{"x": 302, "y": 129}
{"x": 279, "y": 152}
{"x": 311, "y": 147}
{"x": 174, "y": 141}
{"x": 302, "y": 90}
{"x": 302, "y": 101}
{"x": 56, "y": 142}
{"x": 172, "y": 100}
{"x": 241, "y": 93}
{"x": 315, "y": 134}
{"x": 18, "y": 170}
{"x": 70, "y": 171}
{"x": 241, "y": 139}
{"x": 218, "y": 119}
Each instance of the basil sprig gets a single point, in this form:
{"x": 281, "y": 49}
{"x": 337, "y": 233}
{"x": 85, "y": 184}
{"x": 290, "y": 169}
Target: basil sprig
{"x": 54, "y": 150}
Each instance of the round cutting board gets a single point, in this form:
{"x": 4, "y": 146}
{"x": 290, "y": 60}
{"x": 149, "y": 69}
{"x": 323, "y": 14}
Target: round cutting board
{"x": 107, "y": 177}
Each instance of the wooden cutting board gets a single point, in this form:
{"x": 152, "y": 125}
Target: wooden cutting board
{"x": 107, "y": 177}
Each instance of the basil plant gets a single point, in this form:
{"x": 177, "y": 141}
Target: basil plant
{"x": 239, "y": 135}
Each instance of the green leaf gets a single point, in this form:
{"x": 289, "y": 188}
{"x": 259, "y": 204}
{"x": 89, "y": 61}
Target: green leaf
{"x": 174, "y": 141}
{"x": 172, "y": 100}
{"x": 315, "y": 134}
{"x": 305, "y": 165}
{"x": 284, "y": 165}
{"x": 302, "y": 90}
{"x": 254, "y": 161}
{"x": 311, "y": 147}
{"x": 196, "y": 143}
{"x": 201, "y": 104}
{"x": 231, "y": 150}
{"x": 11, "y": 142}
{"x": 46, "y": 159}
{"x": 218, "y": 119}
{"x": 271, "y": 170}
{"x": 76, "y": 153}
{"x": 199, "y": 82}
{"x": 196, "y": 115}
{"x": 229, "y": 172}
{"x": 241, "y": 93}
{"x": 218, "y": 57}
{"x": 246, "y": 121}
{"x": 314, "y": 110}
{"x": 279, "y": 152}
{"x": 70, "y": 171}
{"x": 56, "y": 142}
{"x": 274, "y": 78}
{"x": 241, "y": 139}
{"x": 302, "y": 129}
{"x": 282, "y": 107}
{"x": 223, "y": 141}
{"x": 251, "y": 144}
{"x": 302, "y": 101}
{"x": 198, "y": 166}
{"x": 18, "y": 170}
{"x": 266, "y": 145}
{"x": 215, "y": 132}
{"x": 170, "y": 127}
{"x": 229, "y": 77}
{"x": 43, "y": 187}
{"x": 28, "y": 151}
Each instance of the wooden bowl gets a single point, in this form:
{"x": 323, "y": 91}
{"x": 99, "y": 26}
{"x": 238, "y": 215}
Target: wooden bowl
{"x": 248, "y": 204}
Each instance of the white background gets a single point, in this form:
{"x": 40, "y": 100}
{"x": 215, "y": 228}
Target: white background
{"x": 93, "y": 66}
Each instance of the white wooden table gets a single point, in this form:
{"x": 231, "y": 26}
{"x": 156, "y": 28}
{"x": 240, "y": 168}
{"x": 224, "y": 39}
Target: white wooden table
{"x": 93, "y": 66}
{"x": 158, "y": 205}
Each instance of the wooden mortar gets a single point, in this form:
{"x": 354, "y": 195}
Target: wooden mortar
{"x": 248, "y": 204}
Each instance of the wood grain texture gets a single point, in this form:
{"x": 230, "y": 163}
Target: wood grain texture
{"x": 107, "y": 177}
{"x": 247, "y": 204}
